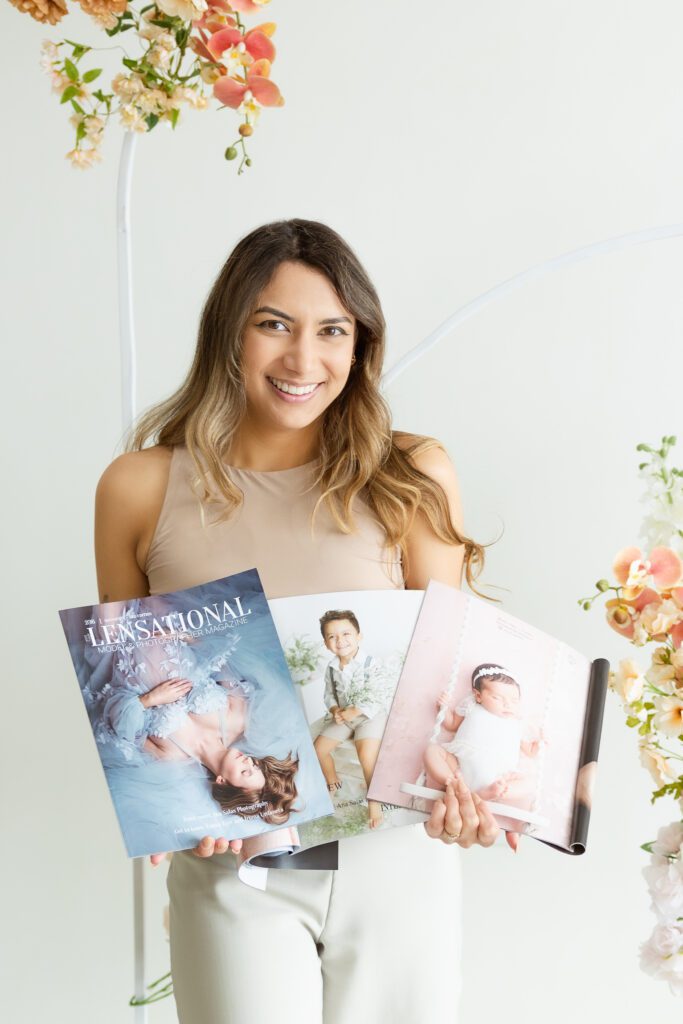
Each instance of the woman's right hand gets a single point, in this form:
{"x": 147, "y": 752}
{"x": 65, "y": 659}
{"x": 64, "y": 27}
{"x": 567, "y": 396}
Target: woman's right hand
{"x": 167, "y": 692}
{"x": 205, "y": 848}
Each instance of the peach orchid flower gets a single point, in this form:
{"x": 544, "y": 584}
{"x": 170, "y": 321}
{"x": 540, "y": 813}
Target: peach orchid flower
{"x": 632, "y": 570}
{"x": 622, "y": 614}
{"x": 232, "y": 92}
{"x": 247, "y": 6}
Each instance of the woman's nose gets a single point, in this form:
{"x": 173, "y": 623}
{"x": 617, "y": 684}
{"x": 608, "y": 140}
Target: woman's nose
{"x": 301, "y": 356}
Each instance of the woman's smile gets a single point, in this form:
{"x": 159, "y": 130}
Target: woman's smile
{"x": 289, "y": 391}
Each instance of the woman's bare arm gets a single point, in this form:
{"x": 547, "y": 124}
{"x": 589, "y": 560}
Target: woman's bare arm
{"x": 461, "y": 813}
{"x": 128, "y": 502}
{"x": 429, "y": 557}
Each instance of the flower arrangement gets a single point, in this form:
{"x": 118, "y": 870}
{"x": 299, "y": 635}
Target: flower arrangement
{"x": 647, "y": 608}
{"x": 185, "y": 52}
{"x": 377, "y": 684}
{"x": 305, "y": 657}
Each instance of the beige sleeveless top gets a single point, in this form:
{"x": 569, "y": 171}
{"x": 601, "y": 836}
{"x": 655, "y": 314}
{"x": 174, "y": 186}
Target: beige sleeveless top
{"x": 271, "y": 531}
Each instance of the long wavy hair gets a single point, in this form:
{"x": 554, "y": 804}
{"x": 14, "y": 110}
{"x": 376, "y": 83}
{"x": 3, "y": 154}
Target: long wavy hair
{"x": 273, "y": 803}
{"x": 358, "y": 453}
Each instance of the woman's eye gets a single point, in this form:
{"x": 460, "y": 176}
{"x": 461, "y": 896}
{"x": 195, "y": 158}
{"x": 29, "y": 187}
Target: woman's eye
{"x": 269, "y": 323}
{"x": 332, "y": 327}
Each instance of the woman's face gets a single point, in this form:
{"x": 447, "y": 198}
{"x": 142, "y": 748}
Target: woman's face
{"x": 241, "y": 771}
{"x": 297, "y": 349}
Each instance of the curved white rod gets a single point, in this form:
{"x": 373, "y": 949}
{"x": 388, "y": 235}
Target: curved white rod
{"x": 470, "y": 309}
{"x": 128, "y": 407}
{"x": 125, "y": 271}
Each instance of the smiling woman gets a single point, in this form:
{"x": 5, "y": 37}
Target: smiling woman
{"x": 281, "y": 429}
{"x": 300, "y": 359}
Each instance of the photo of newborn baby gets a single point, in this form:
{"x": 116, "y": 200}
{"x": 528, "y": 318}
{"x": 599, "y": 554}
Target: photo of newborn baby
{"x": 490, "y": 736}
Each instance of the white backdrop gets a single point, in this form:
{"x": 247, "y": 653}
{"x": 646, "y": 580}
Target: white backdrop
{"x": 453, "y": 145}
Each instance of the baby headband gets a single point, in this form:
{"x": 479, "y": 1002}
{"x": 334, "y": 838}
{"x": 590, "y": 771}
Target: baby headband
{"x": 491, "y": 670}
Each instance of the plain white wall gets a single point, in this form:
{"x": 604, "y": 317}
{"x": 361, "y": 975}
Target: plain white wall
{"x": 453, "y": 145}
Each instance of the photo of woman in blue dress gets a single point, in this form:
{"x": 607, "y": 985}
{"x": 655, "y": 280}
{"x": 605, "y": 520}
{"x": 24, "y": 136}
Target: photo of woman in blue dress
{"x": 197, "y": 734}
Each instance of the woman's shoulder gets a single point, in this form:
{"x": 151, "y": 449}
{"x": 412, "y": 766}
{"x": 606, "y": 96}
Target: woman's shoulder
{"x": 428, "y": 455}
{"x": 136, "y": 478}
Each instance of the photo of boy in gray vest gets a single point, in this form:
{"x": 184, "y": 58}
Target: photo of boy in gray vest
{"x": 354, "y": 711}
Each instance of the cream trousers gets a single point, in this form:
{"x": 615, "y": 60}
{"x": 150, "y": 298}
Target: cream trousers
{"x": 375, "y": 942}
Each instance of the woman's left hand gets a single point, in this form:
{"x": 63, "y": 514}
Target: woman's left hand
{"x": 463, "y": 817}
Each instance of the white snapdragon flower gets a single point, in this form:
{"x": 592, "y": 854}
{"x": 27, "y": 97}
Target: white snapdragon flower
{"x": 655, "y": 762}
{"x": 665, "y": 882}
{"x": 669, "y": 840}
{"x": 668, "y": 715}
{"x": 628, "y": 681}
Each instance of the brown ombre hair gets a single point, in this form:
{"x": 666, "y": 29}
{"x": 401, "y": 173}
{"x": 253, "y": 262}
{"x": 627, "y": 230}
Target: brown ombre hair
{"x": 274, "y": 802}
{"x": 359, "y": 454}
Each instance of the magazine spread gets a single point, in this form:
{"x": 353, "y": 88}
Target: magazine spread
{"x": 345, "y": 651}
{"x": 515, "y": 712}
{"x": 197, "y": 722}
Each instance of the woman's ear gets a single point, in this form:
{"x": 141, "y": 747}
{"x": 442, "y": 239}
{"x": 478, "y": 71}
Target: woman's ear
{"x": 220, "y": 780}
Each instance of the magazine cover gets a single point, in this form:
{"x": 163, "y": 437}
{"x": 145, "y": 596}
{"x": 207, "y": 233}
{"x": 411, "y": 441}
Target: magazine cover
{"x": 345, "y": 651}
{"x": 196, "y": 720}
{"x": 514, "y": 711}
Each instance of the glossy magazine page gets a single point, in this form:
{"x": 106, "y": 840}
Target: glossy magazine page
{"x": 503, "y": 704}
{"x": 197, "y": 723}
{"x": 345, "y": 651}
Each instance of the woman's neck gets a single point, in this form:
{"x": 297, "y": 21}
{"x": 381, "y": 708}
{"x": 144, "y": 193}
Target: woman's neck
{"x": 204, "y": 739}
{"x": 270, "y": 450}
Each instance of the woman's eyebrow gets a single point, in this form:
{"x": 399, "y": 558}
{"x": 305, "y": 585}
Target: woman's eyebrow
{"x": 286, "y": 316}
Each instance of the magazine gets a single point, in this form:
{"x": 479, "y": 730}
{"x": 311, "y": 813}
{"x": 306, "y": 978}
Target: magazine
{"x": 345, "y": 651}
{"x": 195, "y": 717}
{"x": 513, "y": 711}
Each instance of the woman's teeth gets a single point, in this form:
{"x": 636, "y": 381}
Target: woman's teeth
{"x": 291, "y": 389}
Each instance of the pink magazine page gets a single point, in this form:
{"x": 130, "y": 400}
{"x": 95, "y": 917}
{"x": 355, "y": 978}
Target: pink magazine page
{"x": 492, "y": 697}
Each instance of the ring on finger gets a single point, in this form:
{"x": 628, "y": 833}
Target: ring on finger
{"x": 452, "y": 836}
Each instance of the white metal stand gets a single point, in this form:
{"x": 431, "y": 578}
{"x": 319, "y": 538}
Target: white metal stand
{"x": 128, "y": 413}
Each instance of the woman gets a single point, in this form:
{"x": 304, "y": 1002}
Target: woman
{"x": 179, "y": 719}
{"x": 277, "y": 451}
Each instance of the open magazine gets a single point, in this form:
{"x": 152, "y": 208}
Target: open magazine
{"x": 513, "y": 711}
{"x": 345, "y": 651}
{"x": 195, "y": 716}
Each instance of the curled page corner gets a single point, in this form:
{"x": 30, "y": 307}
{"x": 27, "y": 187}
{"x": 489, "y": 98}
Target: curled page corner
{"x": 269, "y": 844}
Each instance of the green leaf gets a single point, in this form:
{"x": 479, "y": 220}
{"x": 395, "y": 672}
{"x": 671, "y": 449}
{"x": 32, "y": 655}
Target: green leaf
{"x": 130, "y": 63}
{"x": 90, "y": 76}
{"x": 632, "y": 722}
{"x": 151, "y": 120}
{"x": 174, "y": 115}
{"x": 80, "y": 132}
{"x": 69, "y": 92}
{"x": 98, "y": 94}
{"x": 78, "y": 48}
{"x": 77, "y": 107}
{"x": 71, "y": 70}
{"x": 644, "y": 729}
{"x": 647, "y": 846}
{"x": 125, "y": 28}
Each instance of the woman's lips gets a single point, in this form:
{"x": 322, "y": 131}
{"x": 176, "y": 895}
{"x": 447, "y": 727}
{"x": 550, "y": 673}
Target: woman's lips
{"x": 288, "y": 397}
